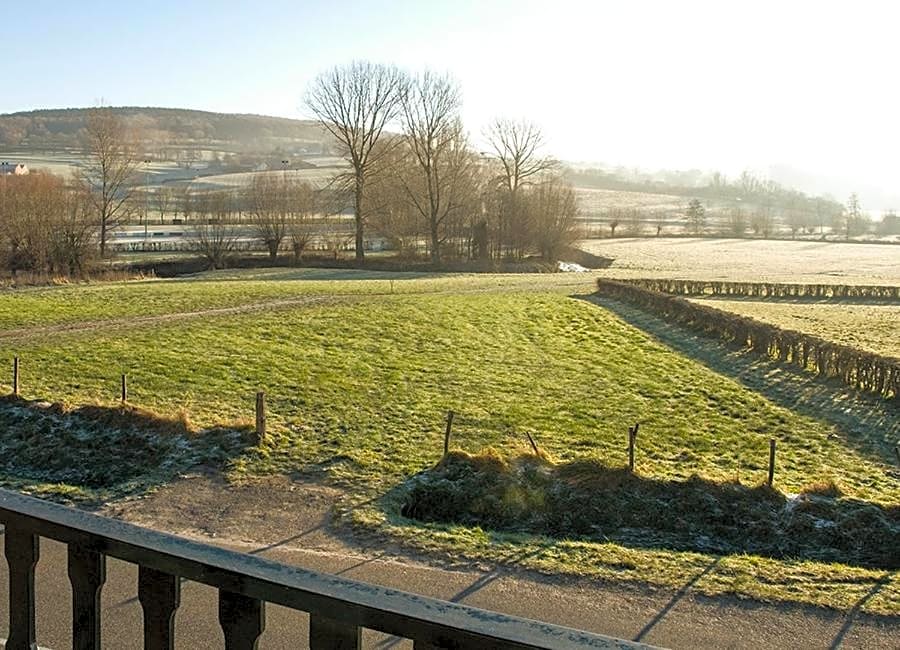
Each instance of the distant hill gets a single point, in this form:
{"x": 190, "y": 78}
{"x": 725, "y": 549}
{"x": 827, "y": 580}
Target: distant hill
{"x": 168, "y": 130}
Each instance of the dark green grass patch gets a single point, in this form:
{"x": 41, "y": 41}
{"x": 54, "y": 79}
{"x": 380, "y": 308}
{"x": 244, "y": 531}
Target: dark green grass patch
{"x": 590, "y": 501}
{"x": 95, "y": 452}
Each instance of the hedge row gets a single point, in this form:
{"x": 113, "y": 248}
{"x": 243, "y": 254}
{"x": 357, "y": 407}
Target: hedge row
{"x": 767, "y": 289}
{"x": 857, "y": 368}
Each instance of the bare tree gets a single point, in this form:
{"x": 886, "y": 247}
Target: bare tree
{"x": 45, "y": 225}
{"x": 185, "y": 202}
{"x": 762, "y": 222}
{"x": 355, "y": 103}
{"x": 615, "y": 219}
{"x": 853, "y": 220}
{"x": 213, "y": 234}
{"x": 109, "y": 170}
{"x": 696, "y": 216}
{"x": 554, "y": 213}
{"x": 441, "y": 183}
{"x": 517, "y": 145}
{"x": 162, "y": 198}
{"x": 393, "y": 213}
{"x": 268, "y": 212}
{"x": 74, "y": 240}
{"x": 301, "y": 204}
{"x": 737, "y": 222}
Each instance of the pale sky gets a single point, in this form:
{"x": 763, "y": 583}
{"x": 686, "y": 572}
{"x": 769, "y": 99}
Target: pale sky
{"x": 713, "y": 85}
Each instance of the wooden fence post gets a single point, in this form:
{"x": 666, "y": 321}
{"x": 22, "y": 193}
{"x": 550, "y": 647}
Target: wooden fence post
{"x": 260, "y": 417}
{"x": 447, "y": 432}
{"x": 632, "y": 435}
{"x": 15, "y": 376}
{"x": 533, "y": 444}
{"x": 771, "y": 461}
{"x": 124, "y": 388}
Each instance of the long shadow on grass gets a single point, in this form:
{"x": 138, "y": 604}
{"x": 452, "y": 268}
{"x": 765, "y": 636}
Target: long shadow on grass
{"x": 93, "y": 453}
{"x": 681, "y": 593}
{"x": 869, "y": 424}
{"x": 587, "y": 500}
{"x": 854, "y": 613}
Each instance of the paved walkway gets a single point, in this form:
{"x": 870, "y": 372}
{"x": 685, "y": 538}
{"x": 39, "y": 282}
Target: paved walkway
{"x": 674, "y": 619}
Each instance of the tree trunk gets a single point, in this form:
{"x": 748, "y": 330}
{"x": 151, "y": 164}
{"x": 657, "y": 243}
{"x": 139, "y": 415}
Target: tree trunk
{"x": 102, "y": 238}
{"x": 435, "y": 244}
{"x": 358, "y": 200}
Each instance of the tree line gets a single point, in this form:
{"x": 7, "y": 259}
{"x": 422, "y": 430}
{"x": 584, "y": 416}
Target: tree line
{"x": 412, "y": 178}
{"x": 748, "y": 204}
{"x": 425, "y": 182}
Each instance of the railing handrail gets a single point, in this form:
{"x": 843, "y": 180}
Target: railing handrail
{"x": 358, "y": 603}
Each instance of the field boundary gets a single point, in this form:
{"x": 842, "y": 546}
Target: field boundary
{"x": 857, "y": 368}
{"x": 766, "y": 289}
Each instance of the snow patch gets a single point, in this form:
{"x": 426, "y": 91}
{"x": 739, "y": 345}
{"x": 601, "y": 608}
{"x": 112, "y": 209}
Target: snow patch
{"x": 571, "y": 267}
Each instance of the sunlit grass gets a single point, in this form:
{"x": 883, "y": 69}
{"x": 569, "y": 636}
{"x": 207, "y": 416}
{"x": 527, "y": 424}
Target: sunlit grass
{"x": 358, "y": 392}
{"x": 875, "y": 328}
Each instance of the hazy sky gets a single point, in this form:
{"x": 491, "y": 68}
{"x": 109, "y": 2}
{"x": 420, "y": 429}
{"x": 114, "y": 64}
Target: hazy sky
{"x": 724, "y": 85}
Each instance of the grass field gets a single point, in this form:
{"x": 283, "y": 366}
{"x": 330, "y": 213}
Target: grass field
{"x": 594, "y": 202}
{"x": 750, "y": 260}
{"x": 360, "y": 369}
{"x": 875, "y": 328}
{"x": 319, "y": 177}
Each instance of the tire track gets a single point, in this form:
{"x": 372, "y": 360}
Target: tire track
{"x": 111, "y": 324}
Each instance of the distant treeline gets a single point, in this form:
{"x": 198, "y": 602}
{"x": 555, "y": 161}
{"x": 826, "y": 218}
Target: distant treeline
{"x": 856, "y": 368}
{"x": 766, "y": 289}
{"x": 745, "y": 187}
{"x": 66, "y": 129}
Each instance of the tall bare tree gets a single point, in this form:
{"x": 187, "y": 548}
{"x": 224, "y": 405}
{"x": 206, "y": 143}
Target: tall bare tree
{"x": 163, "y": 197}
{"x": 355, "y": 103}
{"x": 517, "y": 145}
{"x": 213, "y": 234}
{"x": 696, "y": 217}
{"x": 301, "y": 204}
{"x": 441, "y": 184}
{"x": 392, "y": 213}
{"x": 554, "y": 214}
{"x": 110, "y": 169}
{"x": 268, "y": 213}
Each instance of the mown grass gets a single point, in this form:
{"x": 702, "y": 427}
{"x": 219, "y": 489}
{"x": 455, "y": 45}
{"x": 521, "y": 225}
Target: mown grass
{"x": 875, "y": 328}
{"x": 44, "y": 306}
{"x": 358, "y": 392}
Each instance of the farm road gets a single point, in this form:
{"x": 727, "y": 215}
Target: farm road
{"x": 248, "y": 517}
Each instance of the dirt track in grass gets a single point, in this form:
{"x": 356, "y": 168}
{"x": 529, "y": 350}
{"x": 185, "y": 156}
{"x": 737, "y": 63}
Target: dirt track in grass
{"x": 131, "y": 322}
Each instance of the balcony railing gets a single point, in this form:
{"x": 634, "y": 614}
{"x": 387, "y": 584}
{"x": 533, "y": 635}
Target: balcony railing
{"x": 338, "y": 608}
